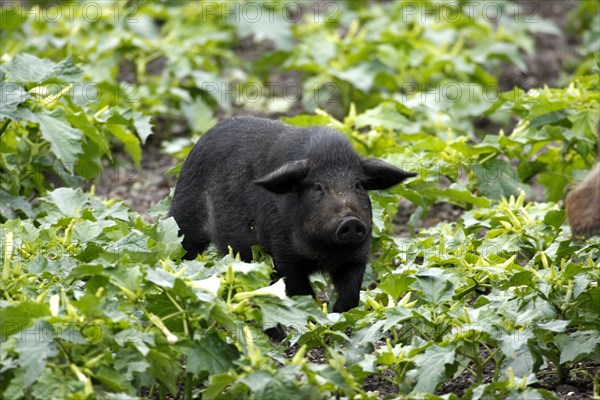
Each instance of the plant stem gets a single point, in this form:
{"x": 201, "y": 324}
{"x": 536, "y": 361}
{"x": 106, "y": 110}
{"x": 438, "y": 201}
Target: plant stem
{"x": 162, "y": 393}
{"x": 4, "y": 126}
{"x": 187, "y": 395}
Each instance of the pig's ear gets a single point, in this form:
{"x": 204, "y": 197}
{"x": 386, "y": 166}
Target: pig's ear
{"x": 284, "y": 178}
{"x": 381, "y": 175}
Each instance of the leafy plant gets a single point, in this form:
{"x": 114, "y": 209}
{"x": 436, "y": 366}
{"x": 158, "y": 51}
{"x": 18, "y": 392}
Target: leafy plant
{"x": 56, "y": 127}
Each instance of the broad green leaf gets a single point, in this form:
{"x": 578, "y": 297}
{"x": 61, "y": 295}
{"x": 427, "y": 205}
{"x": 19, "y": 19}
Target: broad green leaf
{"x": 307, "y": 120}
{"x": 275, "y": 312}
{"x": 25, "y": 68}
{"x": 85, "y": 231}
{"x": 143, "y": 126}
{"x": 555, "y": 185}
{"x": 17, "y": 317}
{"x": 499, "y": 179}
{"x": 555, "y": 326}
{"x": 160, "y": 278}
{"x": 258, "y": 380}
{"x": 282, "y": 385}
{"x": 11, "y": 95}
{"x": 518, "y": 357}
{"x": 334, "y": 378}
{"x": 69, "y": 201}
{"x": 487, "y": 49}
{"x": 385, "y": 115}
{"x": 578, "y": 345}
{"x": 199, "y": 115}
{"x": 396, "y": 284}
{"x": 431, "y": 368}
{"x": 133, "y": 245}
{"x": 49, "y": 385}
{"x": 265, "y": 26}
{"x": 114, "y": 380}
{"x": 210, "y": 354}
{"x": 65, "y": 141}
{"x": 9, "y": 204}
{"x": 164, "y": 368}
{"x": 35, "y": 345}
{"x": 456, "y": 195}
{"x": 167, "y": 232}
{"x": 435, "y": 285}
{"x": 555, "y": 218}
{"x": 130, "y": 141}
{"x": 217, "y": 384}
{"x": 79, "y": 120}
{"x": 362, "y": 76}
{"x": 548, "y": 119}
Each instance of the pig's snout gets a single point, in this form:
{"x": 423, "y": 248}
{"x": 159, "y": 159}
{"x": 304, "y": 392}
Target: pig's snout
{"x": 351, "y": 230}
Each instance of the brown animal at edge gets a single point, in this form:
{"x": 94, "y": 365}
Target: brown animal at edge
{"x": 583, "y": 205}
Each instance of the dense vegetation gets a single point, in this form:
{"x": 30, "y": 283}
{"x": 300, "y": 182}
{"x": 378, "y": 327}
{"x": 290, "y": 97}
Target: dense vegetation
{"x": 96, "y": 302}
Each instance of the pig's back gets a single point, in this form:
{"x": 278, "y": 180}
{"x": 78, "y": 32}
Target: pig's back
{"x": 216, "y": 181}
{"x": 246, "y": 148}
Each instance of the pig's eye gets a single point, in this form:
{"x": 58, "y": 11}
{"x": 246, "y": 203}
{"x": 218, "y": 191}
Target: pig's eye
{"x": 317, "y": 187}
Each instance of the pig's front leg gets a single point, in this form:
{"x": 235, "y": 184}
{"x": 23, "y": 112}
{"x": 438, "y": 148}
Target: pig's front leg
{"x": 296, "y": 280}
{"x": 347, "y": 281}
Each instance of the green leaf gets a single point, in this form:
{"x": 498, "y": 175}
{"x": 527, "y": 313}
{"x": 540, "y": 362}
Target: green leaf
{"x": 69, "y": 201}
{"x": 281, "y": 386}
{"x": 518, "y": 356}
{"x": 499, "y": 179}
{"x": 517, "y": 279}
{"x": 217, "y": 384}
{"x": 49, "y": 385}
{"x": 266, "y": 26}
{"x": 81, "y": 121}
{"x": 555, "y": 326}
{"x": 555, "y": 185}
{"x": 362, "y": 75}
{"x": 434, "y": 284}
{"x": 550, "y": 118}
{"x": 275, "y": 312}
{"x": 160, "y": 278}
{"x": 26, "y": 68}
{"x": 18, "y": 317}
{"x": 65, "y": 141}
{"x": 555, "y": 218}
{"x": 165, "y": 368}
{"x": 431, "y": 367}
{"x": 34, "y": 351}
{"x": 210, "y": 354}
{"x": 199, "y": 115}
{"x": 166, "y": 235}
{"x": 85, "y": 231}
{"x": 11, "y": 95}
{"x": 9, "y": 204}
{"x": 578, "y": 345}
{"x": 114, "y": 380}
{"x": 396, "y": 284}
{"x": 455, "y": 194}
{"x": 131, "y": 142}
{"x": 143, "y": 126}
{"x": 488, "y": 49}
{"x": 307, "y": 120}
{"x": 385, "y": 115}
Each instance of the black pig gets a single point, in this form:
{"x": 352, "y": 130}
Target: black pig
{"x": 301, "y": 193}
